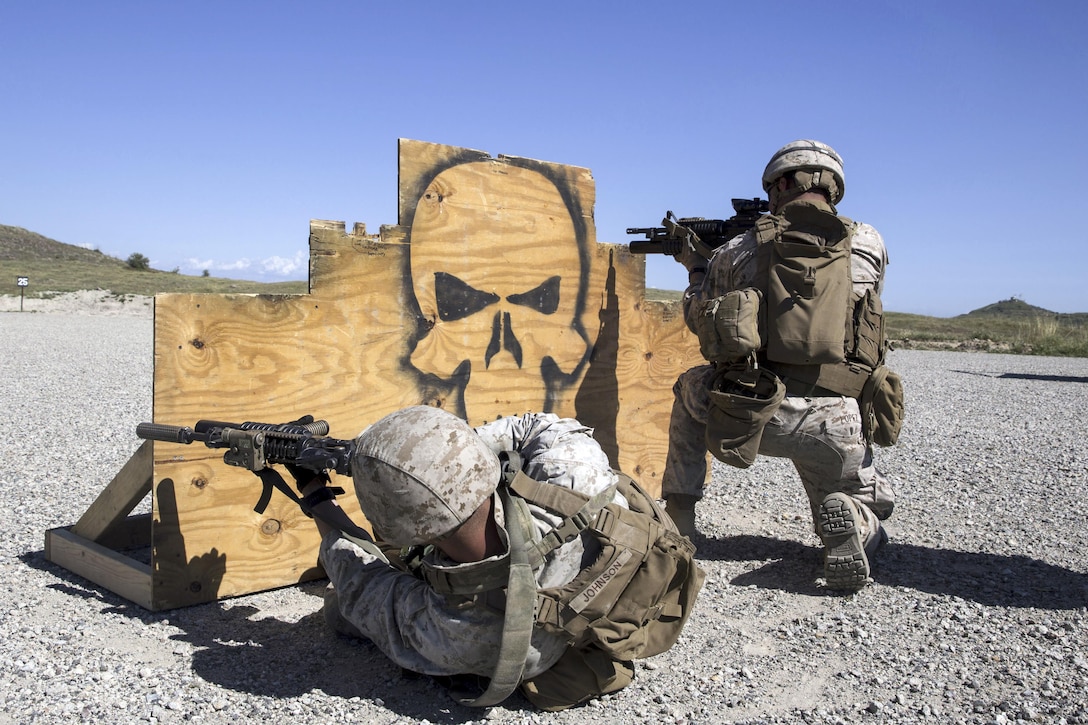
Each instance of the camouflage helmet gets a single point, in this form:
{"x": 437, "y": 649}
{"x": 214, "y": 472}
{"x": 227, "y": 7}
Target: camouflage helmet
{"x": 820, "y": 164}
{"x": 420, "y": 473}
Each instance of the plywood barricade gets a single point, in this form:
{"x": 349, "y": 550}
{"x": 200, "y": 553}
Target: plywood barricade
{"x": 491, "y": 297}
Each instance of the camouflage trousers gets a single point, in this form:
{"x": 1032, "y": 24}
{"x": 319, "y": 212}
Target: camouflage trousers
{"x": 822, "y": 436}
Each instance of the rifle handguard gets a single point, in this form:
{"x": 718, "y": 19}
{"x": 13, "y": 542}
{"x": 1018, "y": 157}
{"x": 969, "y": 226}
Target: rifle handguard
{"x": 301, "y": 445}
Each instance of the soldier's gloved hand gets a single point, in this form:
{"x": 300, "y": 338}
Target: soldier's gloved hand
{"x": 305, "y": 476}
{"x": 314, "y": 487}
{"x": 693, "y": 254}
{"x": 692, "y": 259}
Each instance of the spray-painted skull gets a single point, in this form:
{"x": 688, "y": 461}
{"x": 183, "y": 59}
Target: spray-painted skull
{"x": 497, "y": 272}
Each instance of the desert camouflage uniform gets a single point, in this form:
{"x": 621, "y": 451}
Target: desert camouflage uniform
{"x": 424, "y": 631}
{"x": 822, "y": 436}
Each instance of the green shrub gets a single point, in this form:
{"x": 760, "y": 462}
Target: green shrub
{"x": 138, "y": 261}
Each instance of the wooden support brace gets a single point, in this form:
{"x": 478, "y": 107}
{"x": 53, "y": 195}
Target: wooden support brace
{"x": 92, "y": 548}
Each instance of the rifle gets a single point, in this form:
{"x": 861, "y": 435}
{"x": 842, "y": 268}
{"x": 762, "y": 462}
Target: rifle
{"x": 710, "y": 233}
{"x": 256, "y": 446}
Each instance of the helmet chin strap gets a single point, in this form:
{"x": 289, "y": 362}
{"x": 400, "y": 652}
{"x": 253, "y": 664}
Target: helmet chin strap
{"x": 777, "y": 197}
{"x": 800, "y": 182}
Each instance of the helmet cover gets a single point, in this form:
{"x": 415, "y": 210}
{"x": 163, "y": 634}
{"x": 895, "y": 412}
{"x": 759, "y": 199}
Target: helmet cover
{"x": 811, "y": 156}
{"x": 419, "y": 473}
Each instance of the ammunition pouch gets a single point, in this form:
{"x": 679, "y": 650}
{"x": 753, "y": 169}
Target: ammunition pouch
{"x": 729, "y": 326}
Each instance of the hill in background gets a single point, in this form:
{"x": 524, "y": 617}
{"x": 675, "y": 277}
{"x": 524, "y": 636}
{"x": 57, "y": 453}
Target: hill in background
{"x": 17, "y": 243}
{"x": 1015, "y": 308}
{"x": 1011, "y": 307}
{"x": 55, "y": 267}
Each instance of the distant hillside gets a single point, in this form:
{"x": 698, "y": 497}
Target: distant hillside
{"x": 1017, "y": 309}
{"x": 1011, "y": 307}
{"x": 17, "y": 243}
{"x": 55, "y": 267}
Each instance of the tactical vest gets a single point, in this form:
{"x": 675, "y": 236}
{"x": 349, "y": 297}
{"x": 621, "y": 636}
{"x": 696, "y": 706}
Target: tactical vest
{"x": 802, "y": 322}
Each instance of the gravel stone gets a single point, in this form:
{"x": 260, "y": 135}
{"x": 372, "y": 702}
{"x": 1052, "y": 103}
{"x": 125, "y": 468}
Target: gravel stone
{"x": 978, "y": 612}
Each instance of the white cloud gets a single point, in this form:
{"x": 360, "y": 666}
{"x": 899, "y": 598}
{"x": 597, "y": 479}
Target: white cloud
{"x": 270, "y": 267}
{"x": 286, "y": 267}
{"x": 239, "y": 265}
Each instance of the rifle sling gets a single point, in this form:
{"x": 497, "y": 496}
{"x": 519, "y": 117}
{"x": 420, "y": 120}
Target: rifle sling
{"x": 271, "y": 478}
{"x": 518, "y": 620}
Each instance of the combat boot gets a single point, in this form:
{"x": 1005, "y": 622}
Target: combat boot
{"x": 681, "y": 509}
{"x": 846, "y": 561}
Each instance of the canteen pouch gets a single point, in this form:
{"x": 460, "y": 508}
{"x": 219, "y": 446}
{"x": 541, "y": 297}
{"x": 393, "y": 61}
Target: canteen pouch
{"x": 882, "y": 406}
{"x": 742, "y": 401}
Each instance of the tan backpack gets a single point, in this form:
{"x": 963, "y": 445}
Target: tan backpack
{"x": 631, "y": 602}
{"x": 804, "y": 260}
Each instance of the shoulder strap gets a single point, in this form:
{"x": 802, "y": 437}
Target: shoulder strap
{"x": 518, "y": 619}
{"x": 769, "y": 228}
{"x": 578, "y": 510}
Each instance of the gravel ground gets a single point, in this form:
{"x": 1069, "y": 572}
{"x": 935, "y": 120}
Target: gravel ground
{"x": 977, "y": 613}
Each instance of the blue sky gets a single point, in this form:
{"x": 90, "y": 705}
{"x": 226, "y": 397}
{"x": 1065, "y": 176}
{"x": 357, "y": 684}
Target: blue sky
{"x": 206, "y": 135}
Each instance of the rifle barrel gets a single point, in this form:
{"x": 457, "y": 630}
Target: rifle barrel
{"x": 665, "y": 246}
{"x": 168, "y": 433}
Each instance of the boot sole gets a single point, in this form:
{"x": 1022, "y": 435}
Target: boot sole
{"x": 845, "y": 563}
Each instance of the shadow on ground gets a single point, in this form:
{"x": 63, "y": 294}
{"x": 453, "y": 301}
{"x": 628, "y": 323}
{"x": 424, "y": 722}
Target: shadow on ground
{"x": 1028, "y": 376}
{"x": 991, "y": 579}
{"x": 238, "y": 649}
